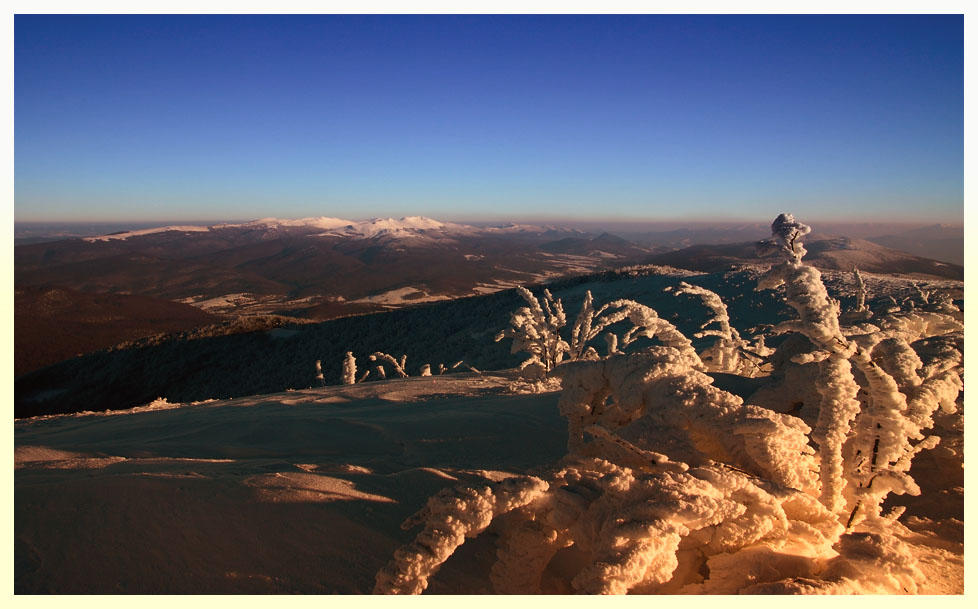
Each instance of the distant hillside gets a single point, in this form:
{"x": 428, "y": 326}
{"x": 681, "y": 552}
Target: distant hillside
{"x": 840, "y": 254}
{"x": 53, "y": 324}
{"x": 939, "y": 241}
{"x": 318, "y": 267}
{"x": 205, "y": 364}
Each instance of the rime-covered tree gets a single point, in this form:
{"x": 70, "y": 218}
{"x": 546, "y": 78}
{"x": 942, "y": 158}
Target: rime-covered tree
{"x": 349, "y": 369}
{"x": 535, "y": 329}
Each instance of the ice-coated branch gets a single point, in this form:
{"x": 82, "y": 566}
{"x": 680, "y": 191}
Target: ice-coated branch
{"x": 645, "y": 323}
{"x": 730, "y": 352}
{"x": 818, "y": 313}
{"x": 450, "y": 517}
{"x": 526, "y": 550}
{"x": 581, "y": 332}
{"x": 837, "y": 411}
{"x": 398, "y": 366}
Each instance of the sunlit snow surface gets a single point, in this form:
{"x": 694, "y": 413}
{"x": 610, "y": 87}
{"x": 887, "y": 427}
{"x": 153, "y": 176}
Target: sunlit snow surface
{"x": 301, "y": 491}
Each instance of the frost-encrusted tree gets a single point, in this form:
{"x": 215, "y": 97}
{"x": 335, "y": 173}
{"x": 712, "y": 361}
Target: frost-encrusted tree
{"x": 536, "y": 330}
{"x": 645, "y": 323}
{"x": 866, "y": 440}
{"x": 860, "y": 292}
{"x": 672, "y": 485}
{"x": 349, "y": 376}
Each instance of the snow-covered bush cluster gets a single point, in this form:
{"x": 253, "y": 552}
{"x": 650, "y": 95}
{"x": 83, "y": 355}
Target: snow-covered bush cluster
{"x": 536, "y": 330}
{"x": 673, "y": 485}
{"x": 397, "y": 365}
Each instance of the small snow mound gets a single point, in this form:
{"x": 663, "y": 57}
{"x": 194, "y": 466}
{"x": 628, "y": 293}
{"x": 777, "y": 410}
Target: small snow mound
{"x": 50, "y": 458}
{"x": 296, "y": 487}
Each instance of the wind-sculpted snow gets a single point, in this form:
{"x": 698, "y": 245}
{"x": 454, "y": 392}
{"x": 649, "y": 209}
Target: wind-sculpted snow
{"x": 672, "y": 484}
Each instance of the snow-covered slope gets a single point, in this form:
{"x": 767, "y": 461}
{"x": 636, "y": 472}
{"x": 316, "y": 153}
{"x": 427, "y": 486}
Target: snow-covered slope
{"x": 305, "y": 491}
{"x": 297, "y": 492}
{"x": 411, "y": 226}
{"x": 148, "y": 231}
{"x": 323, "y": 223}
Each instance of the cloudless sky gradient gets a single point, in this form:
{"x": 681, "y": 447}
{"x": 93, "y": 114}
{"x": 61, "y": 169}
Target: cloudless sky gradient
{"x": 157, "y": 117}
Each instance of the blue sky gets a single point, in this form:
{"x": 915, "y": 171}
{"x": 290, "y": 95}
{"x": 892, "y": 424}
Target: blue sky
{"x": 157, "y": 117}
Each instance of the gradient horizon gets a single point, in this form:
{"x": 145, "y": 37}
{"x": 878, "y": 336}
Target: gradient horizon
{"x": 655, "y": 117}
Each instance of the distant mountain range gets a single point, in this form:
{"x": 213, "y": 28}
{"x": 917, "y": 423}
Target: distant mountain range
{"x": 53, "y": 324}
{"x": 939, "y": 241}
{"x": 840, "y": 254}
{"x": 318, "y": 267}
{"x": 129, "y": 284}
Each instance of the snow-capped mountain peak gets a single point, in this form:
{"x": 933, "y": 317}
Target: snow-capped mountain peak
{"x": 323, "y": 222}
{"x": 409, "y": 226}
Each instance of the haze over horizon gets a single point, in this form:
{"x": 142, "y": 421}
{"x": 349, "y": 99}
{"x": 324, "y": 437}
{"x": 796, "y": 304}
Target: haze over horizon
{"x": 660, "y": 117}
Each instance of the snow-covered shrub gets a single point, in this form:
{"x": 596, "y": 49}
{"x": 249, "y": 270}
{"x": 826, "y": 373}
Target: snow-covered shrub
{"x": 730, "y": 353}
{"x": 645, "y": 323}
{"x": 860, "y": 292}
{"x": 460, "y": 362}
{"x": 536, "y": 330}
{"x": 320, "y": 379}
{"x": 397, "y": 365}
{"x": 349, "y": 369}
{"x": 673, "y": 485}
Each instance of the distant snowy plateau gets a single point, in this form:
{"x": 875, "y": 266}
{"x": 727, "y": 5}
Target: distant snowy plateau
{"x": 320, "y": 268}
